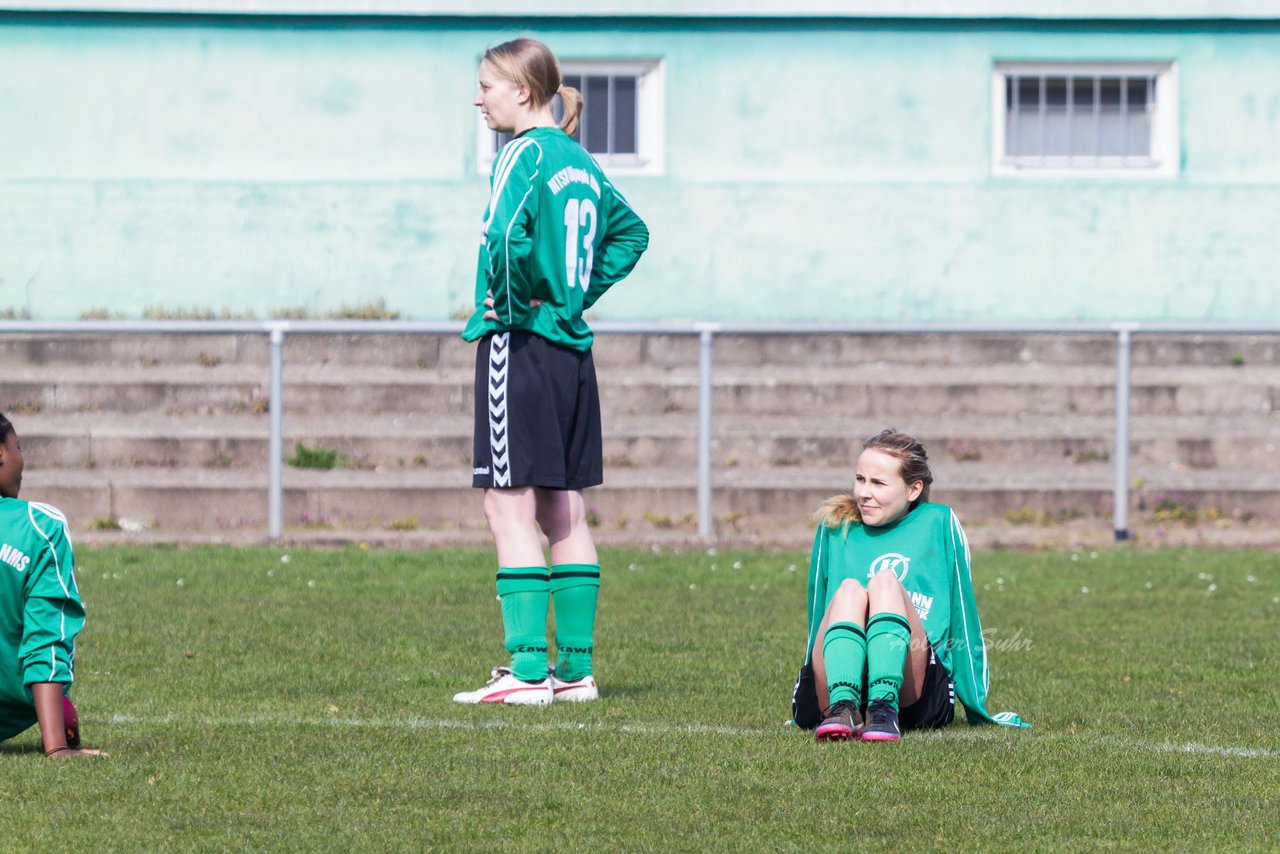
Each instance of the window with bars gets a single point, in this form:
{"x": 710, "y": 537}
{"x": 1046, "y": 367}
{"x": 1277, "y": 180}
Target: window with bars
{"x": 621, "y": 115}
{"x": 1085, "y": 118}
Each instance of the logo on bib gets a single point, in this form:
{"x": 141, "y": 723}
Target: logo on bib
{"x": 893, "y": 562}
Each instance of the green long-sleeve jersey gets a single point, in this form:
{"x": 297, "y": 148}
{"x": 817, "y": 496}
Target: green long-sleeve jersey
{"x": 929, "y": 552}
{"x": 40, "y": 608}
{"x": 555, "y": 230}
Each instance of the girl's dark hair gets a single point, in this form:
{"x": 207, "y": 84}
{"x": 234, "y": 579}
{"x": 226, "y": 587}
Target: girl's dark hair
{"x": 6, "y": 427}
{"x": 531, "y": 63}
{"x": 842, "y": 510}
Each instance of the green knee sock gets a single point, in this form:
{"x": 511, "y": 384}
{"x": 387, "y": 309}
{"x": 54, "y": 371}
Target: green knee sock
{"x": 844, "y": 650}
{"x": 525, "y": 593}
{"x": 887, "y": 638}
{"x": 574, "y": 589}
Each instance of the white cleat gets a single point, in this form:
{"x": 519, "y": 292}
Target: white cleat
{"x": 578, "y": 691}
{"x": 503, "y": 687}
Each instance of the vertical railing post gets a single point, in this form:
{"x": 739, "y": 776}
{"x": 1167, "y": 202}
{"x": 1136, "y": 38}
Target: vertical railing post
{"x": 704, "y": 430}
{"x": 1124, "y": 358}
{"x": 275, "y": 437}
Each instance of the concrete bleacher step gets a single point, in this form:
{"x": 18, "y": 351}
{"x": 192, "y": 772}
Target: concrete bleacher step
{"x": 818, "y": 352}
{"x": 635, "y": 500}
{"x": 170, "y": 431}
{"x": 655, "y": 349}
{"x": 115, "y": 440}
{"x": 883, "y": 392}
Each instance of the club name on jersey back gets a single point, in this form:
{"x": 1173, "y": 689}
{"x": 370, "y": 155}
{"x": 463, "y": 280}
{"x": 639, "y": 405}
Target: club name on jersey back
{"x": 14, "y": 557}
{"x": 572, "y": 175}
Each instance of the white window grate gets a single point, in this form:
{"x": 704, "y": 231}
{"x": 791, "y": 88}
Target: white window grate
{"x": 1087, "y": 118}
{"x": 608, "y": 123}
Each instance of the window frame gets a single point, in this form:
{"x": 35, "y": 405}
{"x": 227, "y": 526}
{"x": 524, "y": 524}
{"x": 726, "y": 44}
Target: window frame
{"x": 1164, "y": 160}
{"x": 649, "y": 158}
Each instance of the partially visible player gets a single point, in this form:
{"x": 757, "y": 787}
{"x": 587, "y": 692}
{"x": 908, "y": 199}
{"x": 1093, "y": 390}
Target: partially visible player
{"x": 556, "y": 235}
{"x": 894, "y": 635}
{"x": 40, "y": 613}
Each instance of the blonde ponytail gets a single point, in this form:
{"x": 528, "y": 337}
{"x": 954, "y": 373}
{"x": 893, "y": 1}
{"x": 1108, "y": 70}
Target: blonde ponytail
{"x": 571, "y": 99}
{"x": 838, "y": 511}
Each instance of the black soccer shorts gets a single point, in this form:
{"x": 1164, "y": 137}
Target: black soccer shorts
{"x": 537, "y": 415}
{"x": 937, "y": 704}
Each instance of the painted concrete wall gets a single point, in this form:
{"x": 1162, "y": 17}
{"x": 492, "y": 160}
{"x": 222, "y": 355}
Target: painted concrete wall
{"x": 815, "y": 170}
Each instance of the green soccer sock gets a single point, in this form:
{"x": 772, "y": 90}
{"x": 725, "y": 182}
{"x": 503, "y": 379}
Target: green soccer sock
{"x": 888, "y": 636}
{"x": 525, "y": 593}
{"x": 844, "y": 651}
{"x": 574, "y": 590}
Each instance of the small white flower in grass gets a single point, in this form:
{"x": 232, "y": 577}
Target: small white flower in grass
{"x": 1149, "y": 585}
{"x": 714, "y": 567}
{"x": 311, "y": 583}
{"x": 1211, "y": 588}
{"x": 693, "y": 587}
{"x": 1075, "y": 557}
{"x": 1084, "y": 589}
{"x": 106, "y": 575}
{"x": 181, "y": 583}
{"x": 712, "y": 552}
{"x": 1204, "y": 576}
{"x": 1093, "y": 555}
{"x": 1000, "y": 580}
{"x": 1275, "y": 600}
{"x": 791, "y": 568}
{"x": 633, "y": 567}
{"x": 1251, "y": 578}
{"x": 271, "y": 573}
{"x": 753, "y": 587}
{"x": 737, "y": 564}
{"x": 285, "y": 558}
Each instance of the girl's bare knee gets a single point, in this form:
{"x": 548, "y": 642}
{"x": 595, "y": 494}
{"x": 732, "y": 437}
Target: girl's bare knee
{"x": 504, "y": 511}
{"x": 849, "y": 593}
{"x": 492, "y": 510}
{"x": 883, "y": 582}
{"x": 554, "y": 525}
{"x": 561, "y": 515}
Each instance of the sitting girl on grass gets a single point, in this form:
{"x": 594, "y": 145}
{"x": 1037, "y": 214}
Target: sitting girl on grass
{"x": 894, "y": 635}
{"x": 40, "y": 613}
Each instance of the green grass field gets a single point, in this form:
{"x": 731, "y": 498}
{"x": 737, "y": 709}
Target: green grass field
{"x": 251, "y": 703}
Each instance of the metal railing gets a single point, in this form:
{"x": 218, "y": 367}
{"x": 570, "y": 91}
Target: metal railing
{"x": 277, "y": 330}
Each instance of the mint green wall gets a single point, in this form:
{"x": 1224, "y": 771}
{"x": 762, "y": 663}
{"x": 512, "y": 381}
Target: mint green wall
{"x": 817, "y": 170}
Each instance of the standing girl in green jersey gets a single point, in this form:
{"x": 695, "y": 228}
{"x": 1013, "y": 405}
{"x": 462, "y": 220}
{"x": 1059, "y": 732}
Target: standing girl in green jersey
{"x": 556, "y": 235}
{"x": 894, "y": 635}
{"x": 40, "y": 613}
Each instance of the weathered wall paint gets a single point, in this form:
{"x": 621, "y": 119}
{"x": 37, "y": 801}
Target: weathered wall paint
{"x": 815, "y": 170}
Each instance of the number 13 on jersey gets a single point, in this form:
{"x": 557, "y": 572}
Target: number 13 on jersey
{"x": 579, "y": 235}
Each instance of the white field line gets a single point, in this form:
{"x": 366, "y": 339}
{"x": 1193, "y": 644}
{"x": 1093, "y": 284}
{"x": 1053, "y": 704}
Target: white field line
{"x": 413, "y": 723}
{"x": 1190, "y": 747}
